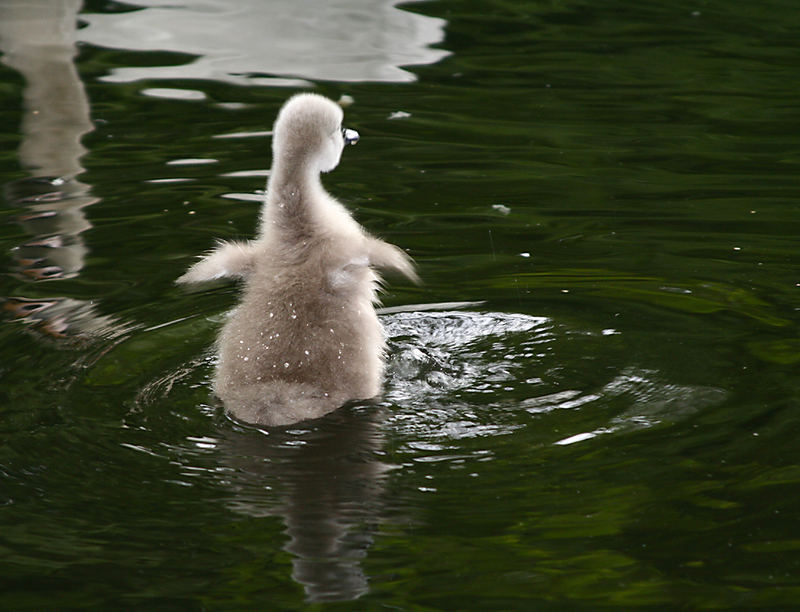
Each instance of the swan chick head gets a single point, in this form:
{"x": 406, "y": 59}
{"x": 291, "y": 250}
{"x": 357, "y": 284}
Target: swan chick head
{"x": 309, "y": 132}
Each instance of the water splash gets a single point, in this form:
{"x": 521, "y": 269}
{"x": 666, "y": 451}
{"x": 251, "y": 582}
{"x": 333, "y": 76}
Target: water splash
{"x": 440, "y": 360}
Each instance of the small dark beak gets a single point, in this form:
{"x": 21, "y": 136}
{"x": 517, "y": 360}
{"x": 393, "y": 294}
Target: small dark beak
{"x": 350, "y": 136}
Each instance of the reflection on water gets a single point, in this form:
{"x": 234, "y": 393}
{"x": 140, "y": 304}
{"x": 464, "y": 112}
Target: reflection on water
{"x": 63, "y": 318}
{"x": 652, "y": 402}
{"x": 252, "y": 42}
{"x": 325, "y": 479}
{"x": 55, "y": 220}
{"x": 37, "y": 38}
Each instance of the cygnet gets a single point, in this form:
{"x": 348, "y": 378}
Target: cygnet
{"x": 305, "y": 338}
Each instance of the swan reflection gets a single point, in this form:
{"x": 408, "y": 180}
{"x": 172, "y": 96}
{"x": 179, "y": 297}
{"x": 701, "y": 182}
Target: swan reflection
{"x": 326, "y": 480}
{"x": 251, "y": 42}
{"x": 38, "y": 40}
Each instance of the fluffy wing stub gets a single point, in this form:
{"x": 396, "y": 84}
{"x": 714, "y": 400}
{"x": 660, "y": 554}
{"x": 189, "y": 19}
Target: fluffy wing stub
{"x": 227, "y": 260}
{"x": 389, "y": 257}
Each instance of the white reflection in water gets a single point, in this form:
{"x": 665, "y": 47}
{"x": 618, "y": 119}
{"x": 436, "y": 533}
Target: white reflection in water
{"x": 38, "y": 40}
{"x": 652, "y": 402}
{"x": 252, "y": 42}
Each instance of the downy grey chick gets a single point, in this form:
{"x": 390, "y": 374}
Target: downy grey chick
{"x": 305, "y": 338}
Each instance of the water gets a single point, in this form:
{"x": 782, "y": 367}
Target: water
{"x": 592, "y": 399}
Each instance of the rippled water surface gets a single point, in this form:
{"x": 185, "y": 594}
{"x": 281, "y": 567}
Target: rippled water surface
{"x": 592, "y": 399}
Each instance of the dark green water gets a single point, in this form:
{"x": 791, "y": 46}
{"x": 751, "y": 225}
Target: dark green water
{"x": 614, "y": 425}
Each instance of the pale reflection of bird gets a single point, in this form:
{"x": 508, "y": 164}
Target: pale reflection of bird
{"x": 305, "y": 338}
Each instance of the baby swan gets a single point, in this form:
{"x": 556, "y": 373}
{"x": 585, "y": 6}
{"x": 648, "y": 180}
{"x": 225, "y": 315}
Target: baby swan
{"x": 305, "y": 338}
